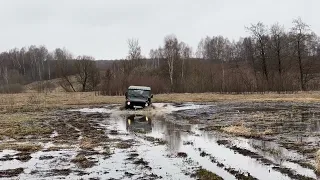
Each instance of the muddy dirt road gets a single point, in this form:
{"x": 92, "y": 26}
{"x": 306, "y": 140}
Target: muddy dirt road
{"x": 170, "y": 141}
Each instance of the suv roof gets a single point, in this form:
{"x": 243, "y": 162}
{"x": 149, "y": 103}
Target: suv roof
{"x": 140, "y": 87}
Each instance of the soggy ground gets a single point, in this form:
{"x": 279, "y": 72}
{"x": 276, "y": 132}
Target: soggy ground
{"x": 169, "y": 141}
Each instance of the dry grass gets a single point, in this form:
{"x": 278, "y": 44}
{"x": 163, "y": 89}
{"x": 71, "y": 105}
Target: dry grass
{"x": 213, "y": 97}
{"x": 241, "y": 130}
{"x": 267, "y": 132}
{"x": 318, "y": 162}
{"x": 42, "y": 101}
{"x": 25, "y": 147}
{"x": 87, "y": 143}
{"x": 19, "y": 125}
{"x": 26, "y": 102}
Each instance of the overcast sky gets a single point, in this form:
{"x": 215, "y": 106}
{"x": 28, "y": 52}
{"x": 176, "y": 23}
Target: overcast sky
{"x": 100, "y": 28}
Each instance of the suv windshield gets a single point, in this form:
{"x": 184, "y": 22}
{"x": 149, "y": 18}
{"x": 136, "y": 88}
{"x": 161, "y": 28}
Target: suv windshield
{"x": 138, "y": 93}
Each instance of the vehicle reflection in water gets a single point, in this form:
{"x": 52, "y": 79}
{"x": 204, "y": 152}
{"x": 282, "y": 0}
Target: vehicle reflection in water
{"x": 138, "y": 123}
{"x": 160, "y": 128}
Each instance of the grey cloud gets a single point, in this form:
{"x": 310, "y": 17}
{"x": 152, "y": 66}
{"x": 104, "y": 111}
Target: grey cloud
{"x": 101, "y": 27}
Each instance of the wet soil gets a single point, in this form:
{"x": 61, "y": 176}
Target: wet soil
{"x": 8, "y": 173}
{"x": 171, "y": 141}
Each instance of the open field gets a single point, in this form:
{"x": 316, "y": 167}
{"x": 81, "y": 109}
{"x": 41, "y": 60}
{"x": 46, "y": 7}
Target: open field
{"x": 184, "y": 136}
{"x": 38, "y": 101}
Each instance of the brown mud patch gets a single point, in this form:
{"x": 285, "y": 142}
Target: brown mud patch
{"x": 82, "y": 161}
{"x": 141, "y": 161}
{"x": 237, "y": 173}
{"x": 59, "y": 172}
{"x": 45, "y": 157}
{"x": 123, "y": 145}
{"x": 156, "y": 141}
{"x": 182, "y": 155}
{"x": 11, "y": 172}
{"x": 287, "y": 171}
{"x": 23, "y": 157}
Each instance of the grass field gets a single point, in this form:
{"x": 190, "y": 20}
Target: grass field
{"x": 40, "y": 101}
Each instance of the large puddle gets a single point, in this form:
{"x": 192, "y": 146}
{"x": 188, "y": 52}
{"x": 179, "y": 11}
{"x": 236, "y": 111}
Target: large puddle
{"x": 185, "y": 149}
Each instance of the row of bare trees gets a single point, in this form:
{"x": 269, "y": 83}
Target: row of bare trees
{"x": 19, "y": 67}
{"x": 270, "y": 59}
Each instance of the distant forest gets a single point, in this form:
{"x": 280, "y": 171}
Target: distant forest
{"x": 271, "y": 58}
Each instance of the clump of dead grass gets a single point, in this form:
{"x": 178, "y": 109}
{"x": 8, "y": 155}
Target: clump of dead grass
{"x": 26, "y": 147}
{"x": 88, "y": 143}
{"x": 268, "y": 132}
{"x": 241, "y": 130}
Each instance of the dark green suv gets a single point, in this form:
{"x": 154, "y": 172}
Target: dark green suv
{"x": 138, "y": 96}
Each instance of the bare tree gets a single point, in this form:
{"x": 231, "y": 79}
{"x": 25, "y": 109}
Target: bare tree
{"x": 106, "y": 84}
{"x": 14, "y": 56}
{"x": 300, "y": 32}
{"x": 171, "y": 53}
{"x": 62, "y": 67}
{"x": 278, "y": 46}
{"x": 185, "y": 54}
{"x": 260, "y": 33}
{"x": 87, "y": 73}
{"x": 200, "y": 50}
{"x": 134, "y": 49}
{"x": 4, "y": 66}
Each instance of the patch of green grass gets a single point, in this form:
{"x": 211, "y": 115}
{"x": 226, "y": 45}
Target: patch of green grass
{"x": 204, "y": 174}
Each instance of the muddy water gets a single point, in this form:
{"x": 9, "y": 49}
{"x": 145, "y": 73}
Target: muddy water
{"x": 176, "y": 133}
{"x": 161, "y": 133}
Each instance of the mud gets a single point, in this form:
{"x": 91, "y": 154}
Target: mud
{"x": 237, "y": 173}
{"x": 10, "y": 172}
{"x": 82, "y": 161}
{"x": 169, "y": 141}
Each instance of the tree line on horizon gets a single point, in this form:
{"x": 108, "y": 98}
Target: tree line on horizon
{"x": 269, "y": 59}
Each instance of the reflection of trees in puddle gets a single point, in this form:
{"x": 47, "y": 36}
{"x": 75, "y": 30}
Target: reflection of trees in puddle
{"x": 268, "y": 149}
{"x": 315, "y": 125}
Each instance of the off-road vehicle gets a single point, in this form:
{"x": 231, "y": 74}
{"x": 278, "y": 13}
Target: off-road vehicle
{"x": 138, "y": 96}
